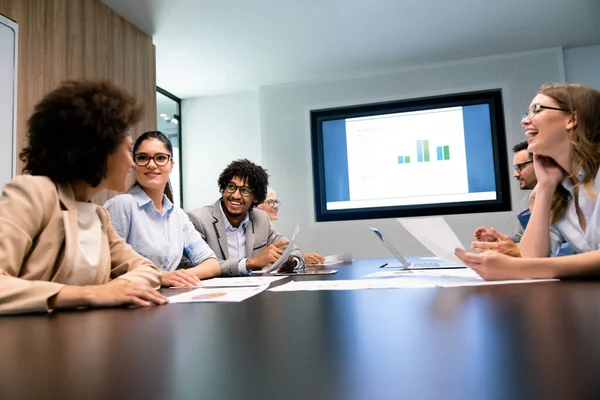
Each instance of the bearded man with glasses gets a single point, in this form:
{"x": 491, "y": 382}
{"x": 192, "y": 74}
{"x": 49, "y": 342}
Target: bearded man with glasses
{"x": 490, "y": 239}
{"x": 242, "y": 236}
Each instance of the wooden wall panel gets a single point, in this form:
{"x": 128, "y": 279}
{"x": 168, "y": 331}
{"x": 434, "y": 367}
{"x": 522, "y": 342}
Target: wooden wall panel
{"x": 69, "y": 39}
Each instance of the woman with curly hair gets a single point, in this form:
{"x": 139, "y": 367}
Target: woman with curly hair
{"x": 149, "y": 221}
{"x": 563, "y": 125}
{"x": 57, "y": 249}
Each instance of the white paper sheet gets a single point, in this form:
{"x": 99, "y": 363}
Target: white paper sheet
{"x": 449, "y": 277}
{"x": 452, "y": 273}
{"x": 435, "y": 234}
{"x": 217, "y": 295}
{"x": 284, "y": 257}
{"x": 356, "y": 284}
{"x": 241, "y": 281}
{"x": 335, "y": 259}
{"x": 452, "y": 283}
{"x": 391, "y": 274}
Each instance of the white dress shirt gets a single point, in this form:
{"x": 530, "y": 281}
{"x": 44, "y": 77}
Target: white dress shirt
{"x": 568, "y": 228}
{"x": 236, "y": 241}
{"x": 89, "y": 244}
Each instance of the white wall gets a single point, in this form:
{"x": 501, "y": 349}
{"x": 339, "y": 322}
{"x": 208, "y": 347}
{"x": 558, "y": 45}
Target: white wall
{"x": 286, "y": 140}
{"x": 582, "y": 65}
{"x": 271, "y": 128}
{"x": 215, "y": 131}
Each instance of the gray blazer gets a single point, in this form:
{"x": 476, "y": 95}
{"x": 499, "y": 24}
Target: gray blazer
{"x": 260, "y": 233}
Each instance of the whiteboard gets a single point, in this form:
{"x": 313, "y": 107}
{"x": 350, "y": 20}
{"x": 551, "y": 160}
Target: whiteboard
{"x": 8, "y": 99}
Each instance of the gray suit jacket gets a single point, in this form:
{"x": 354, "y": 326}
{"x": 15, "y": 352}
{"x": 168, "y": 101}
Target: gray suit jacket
{"x": 260, "y": 233}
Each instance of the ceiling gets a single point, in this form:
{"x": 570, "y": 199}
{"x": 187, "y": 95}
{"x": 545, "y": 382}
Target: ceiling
{"x": 214, "y": 47}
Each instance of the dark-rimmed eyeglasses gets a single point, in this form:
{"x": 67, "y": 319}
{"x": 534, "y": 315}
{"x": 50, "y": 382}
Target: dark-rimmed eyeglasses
{"x": 232, "y": 187}
{"x": 519, "y": 167}
{"x": 536, "y": 108}
{"x": 143, "y": 159}
{"x": 272, "y": 203}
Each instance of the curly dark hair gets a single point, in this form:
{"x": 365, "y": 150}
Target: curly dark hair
{"x": 74, "y": 129}
{"x": 257, "y": 178}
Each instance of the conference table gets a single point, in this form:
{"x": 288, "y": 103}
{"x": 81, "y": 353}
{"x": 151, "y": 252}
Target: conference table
{"x": 519, "y": 341}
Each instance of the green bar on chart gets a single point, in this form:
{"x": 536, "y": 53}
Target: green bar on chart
{"x": 446, "y": 152}
{"x": 425, "y": 150}
{"x": 406, "y": 159}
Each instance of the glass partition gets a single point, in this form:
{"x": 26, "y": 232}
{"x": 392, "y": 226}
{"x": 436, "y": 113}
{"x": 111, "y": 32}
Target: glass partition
{"x": 168, "y": 112}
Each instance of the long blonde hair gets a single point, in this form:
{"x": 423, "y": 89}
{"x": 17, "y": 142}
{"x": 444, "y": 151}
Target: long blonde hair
{"x": 584, "y": 138}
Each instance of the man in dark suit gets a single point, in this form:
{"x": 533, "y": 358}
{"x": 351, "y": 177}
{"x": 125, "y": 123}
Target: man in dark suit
{"x": 242, "y": 237}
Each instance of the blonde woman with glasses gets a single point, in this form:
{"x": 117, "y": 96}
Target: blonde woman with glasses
{"x": 563, "y": 125}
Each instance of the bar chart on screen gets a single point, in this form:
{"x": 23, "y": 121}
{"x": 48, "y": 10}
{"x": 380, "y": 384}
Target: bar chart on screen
{"x": 423, "y": 154}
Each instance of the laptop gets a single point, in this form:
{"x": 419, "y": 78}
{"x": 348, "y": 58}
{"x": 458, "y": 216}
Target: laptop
{"x": 404, "y": 264}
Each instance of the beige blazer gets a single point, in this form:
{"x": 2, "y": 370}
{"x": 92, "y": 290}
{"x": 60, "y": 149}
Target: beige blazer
{"x": 38, "y": 246}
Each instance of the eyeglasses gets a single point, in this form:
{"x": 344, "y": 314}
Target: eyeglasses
{"x": 272, "y": 203}
{"x": 232, "y": 187}
{"x": 536, "y": 108}
{"x": 143, "y": 159}
{"x": 519, "y": 167}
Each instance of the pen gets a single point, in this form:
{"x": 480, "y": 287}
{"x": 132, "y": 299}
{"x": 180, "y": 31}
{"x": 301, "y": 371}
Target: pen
{"x": 381, "y": 266}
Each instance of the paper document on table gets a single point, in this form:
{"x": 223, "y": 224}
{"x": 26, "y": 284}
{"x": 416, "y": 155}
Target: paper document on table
{"x": 435, "y": 234}
{"x": 284, "y": 257}
{"x": 217, "y": 295}
{"x": 336, "y": 259}
{"x": 449, "y": 278}
{"x": 452, "y": 283}
{"x": 357, "y": 284}
{"x": 241, "y": 281}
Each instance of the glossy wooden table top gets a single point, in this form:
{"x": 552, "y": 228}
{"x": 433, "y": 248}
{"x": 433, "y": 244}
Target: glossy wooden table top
{"x": 497, "y": 342}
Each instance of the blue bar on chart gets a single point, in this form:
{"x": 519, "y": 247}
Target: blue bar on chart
{"x": 419, "y": 151}
{"x": 400, "y": 159}
{"x": 439, "y": 153}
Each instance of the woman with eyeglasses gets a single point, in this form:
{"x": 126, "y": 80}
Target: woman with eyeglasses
{"x": 271, "y": 204}
{"x": 563, "y": 125}
{"x": 152, "y": 224}
{"x": 57, "y": 248}
{"x": 271, "y": 207}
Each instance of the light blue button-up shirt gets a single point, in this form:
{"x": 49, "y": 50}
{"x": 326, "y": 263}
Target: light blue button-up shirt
{"x": 236, "y": 241}
{"x": 163, "y": 238}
